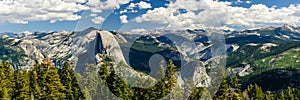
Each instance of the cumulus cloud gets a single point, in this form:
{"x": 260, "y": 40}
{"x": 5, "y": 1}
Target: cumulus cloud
{"x": 211, "y": 13}
{"x": 144, "y": 5}
{"x": 179, "y": 14}
{"x": 24, "y": 11}
{"x": 98, "y": 19}
{"x": 97, "y": 6}
{"x": 93, "y": 15}
{"x": 131, "y": 6}
{"x": 123, "y": 19}
{"x": 140, "y": 5}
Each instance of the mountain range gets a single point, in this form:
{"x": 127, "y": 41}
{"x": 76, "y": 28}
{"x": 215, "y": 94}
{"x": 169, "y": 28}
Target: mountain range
{"x": 262, "y": 56}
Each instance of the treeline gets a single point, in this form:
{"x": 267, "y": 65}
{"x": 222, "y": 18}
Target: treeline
{"x": 44, "y": 81}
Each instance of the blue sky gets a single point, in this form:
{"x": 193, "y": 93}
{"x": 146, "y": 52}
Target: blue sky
{"x": 145, "y": 14}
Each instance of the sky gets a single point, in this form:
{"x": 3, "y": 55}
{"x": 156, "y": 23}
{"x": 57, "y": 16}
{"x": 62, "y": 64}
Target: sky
{"x": 140, "y": 15}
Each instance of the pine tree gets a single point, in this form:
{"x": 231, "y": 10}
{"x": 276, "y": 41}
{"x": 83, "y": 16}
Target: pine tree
{"x": 297, "y": 93}
{"x": 289, "y": 94}
{"x": 6, "y": 81}
{"x": 68, "y": 79}
{"x": 104, "y": 73}
{"x": 118, "y": 87}
{"x": 235, "y": 90}
{"x": 45, "y": 81}
{"x": 53, "y": 86}
{"x": 255, "y": 92}
{"x": 22, "y": 87}
{"x": 268, "y": 96}
{"x": 35, "y": 89}
{"x": 39, "y": 74}
{"x": 223, "y": 90}
{"x": 200, "y": 93}
{"x": 280, "y": 96}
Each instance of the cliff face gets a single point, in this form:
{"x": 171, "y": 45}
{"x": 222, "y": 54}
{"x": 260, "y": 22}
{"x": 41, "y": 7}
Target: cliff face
{"x": 90, "y": 43}
{"x": 80, "y": 48}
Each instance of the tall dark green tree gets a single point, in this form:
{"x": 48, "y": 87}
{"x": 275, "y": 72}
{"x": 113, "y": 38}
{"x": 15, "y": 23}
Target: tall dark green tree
{"x": 255, "y": 92}
{"x": 6, "y": 81}
{"x": 35, "y": 89}
{"x": 269, "y": 96}
{"x": 235, "y": 89}
{"x": 68, "y": 79}
{"x": 53, "y": 86}
{"x": 222, "y": 92}
{"x": 200, "y": 93}
{"x": 290, "y": 94}
{"x": 280, "y": 96}
{"x": 22, "y": 86}
{"x": 297, "y": 93}
{"x": 46, "y": 82}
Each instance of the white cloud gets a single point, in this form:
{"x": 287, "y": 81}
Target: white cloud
{"x": 248, "y": 1}
{"x": 138, "y": 30}
{"x": 144, "y": 5}
{"x": 97, "y": 6}
{"x": 140, "y": 5}
{"x": 93, "y": 15}
{"x": 25, "y": 11}
{"x": 123, "y": 11}
{"x": 220, "y": 14}
{"x": 123, "y": 19}
{"x": 98, "y": 19}
{"x": 131, "y": 6}
{"x": 75, "y": 1}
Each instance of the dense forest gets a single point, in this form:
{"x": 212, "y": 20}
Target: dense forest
{"x": 44, "y": 81}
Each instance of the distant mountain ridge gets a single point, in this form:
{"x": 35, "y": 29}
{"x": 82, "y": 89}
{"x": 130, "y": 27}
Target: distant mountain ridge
{"x": 244, "y": 48}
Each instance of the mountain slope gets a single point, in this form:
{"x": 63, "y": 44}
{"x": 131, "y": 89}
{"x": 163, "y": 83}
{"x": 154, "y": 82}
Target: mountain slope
{"x": 251, "y": 53}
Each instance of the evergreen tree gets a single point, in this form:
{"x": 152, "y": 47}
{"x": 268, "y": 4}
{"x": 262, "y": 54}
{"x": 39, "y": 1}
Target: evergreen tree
{"x": 268, "y": 96}
{"x": 255, "y": 92}
{"x": 68, "y": 79}
{"x": 223, "y": 90}
{"x": 39, "y": 74}
{"x": 297, "y": 93}
{"x": 118, "y": 87}
{"x": 45, "y": 81}
{"x": 200, "y": 93}
{"x": 35, "y": 89}
{"x": 6, "y": 81}
{"x": 53, "y": 86}
{"x": 235, "y": 90}
{"x": 289, "y": 94}
{"x": 280, "y": 96}
{"x": 22, "y": 87}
